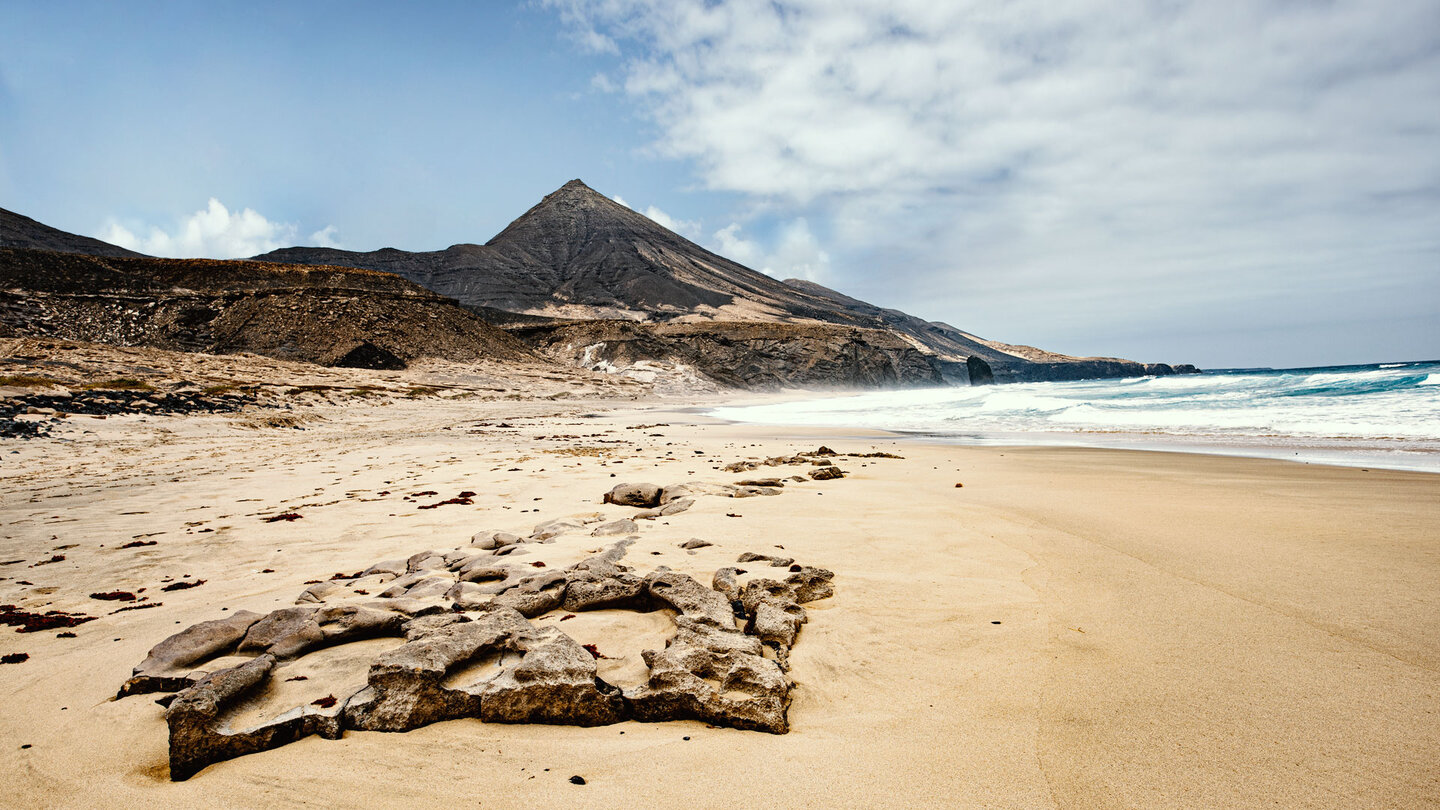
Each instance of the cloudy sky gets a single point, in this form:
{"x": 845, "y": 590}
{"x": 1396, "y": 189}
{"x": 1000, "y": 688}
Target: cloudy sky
{"x": 1224, "y": 183}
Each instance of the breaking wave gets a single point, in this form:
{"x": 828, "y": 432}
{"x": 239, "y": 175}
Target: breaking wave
{"x": 1390, "y": 408}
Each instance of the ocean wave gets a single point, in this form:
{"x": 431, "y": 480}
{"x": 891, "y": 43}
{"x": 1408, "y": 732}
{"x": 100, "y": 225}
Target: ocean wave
{"x": 1367, "y": 403}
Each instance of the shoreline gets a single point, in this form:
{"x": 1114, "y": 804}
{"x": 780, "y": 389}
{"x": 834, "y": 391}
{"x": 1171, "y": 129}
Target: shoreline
{"x": 1327, "y": 451}
{"x": 1077, "y": 626}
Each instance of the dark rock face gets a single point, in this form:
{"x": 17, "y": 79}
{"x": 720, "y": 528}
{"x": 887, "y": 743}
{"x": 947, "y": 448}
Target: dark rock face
{"x": 1079, "y": 369}
{"x": 979, "y": 371}
{"x": 742, "y": 354}
{"x": 331, "y": 316}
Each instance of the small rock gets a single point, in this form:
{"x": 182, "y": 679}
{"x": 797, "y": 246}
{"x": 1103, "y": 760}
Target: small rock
{"x": 615, "y": 527}
{"x": 643, "y": 495}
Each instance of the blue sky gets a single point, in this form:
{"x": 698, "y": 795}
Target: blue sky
{"x": 1224, "y": 183}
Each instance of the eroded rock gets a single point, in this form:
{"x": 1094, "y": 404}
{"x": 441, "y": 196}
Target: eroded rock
{"x": 470, "y": 649}
{"x": 642, "y": 495}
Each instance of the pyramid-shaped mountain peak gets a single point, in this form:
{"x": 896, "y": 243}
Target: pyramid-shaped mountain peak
{"x": 580, "y": 254}
{"x": 575, "y": 214}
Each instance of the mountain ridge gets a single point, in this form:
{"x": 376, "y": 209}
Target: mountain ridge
{"x": 561, "y": 274}
{"x": 20, "y": 231}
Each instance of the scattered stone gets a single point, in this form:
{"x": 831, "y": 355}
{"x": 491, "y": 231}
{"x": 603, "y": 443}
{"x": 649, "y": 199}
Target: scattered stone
{"x": 642, "y": 495}
{"x": 493, "y": 539}
{"x": 26, "y": 622}
{"x": 615, "y": 527}
{"x": 775, "y": 562}
{"x": 14, "y": 658}
{"x": 114, "y": 596}
{"x": 288, "y": 516}
{"x": 695, "y": 542}
{"x": 578, "y": 780}
{"x": 182, "y": 586}
{"x": 139, "y": 543}
{"x": 666, "y": 509}
{"x": 446, "y": 502}
{"x": 826, "y": 473}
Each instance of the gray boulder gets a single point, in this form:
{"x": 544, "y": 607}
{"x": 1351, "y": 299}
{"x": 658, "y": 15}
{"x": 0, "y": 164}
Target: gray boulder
{"x": 642, "y": 495}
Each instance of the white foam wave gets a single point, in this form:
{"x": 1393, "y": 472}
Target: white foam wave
{"x": 1273, "y": 407}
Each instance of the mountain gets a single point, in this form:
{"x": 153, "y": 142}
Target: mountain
{"x": 587, "y": 281}
{"x": 336, "y": 316}
{"x": 580, "y": 255}
{"x": 18, "y": 231}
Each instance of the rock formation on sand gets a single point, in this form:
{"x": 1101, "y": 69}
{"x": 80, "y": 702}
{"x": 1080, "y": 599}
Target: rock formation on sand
{"x": 477, "y": 632}
{"x": 333, "y": 316}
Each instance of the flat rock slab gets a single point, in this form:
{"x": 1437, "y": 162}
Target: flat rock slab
{"x": 471, "y": 650}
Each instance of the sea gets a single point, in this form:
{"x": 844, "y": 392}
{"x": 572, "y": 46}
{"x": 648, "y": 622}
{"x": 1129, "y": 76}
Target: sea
{"x": 1384, "y": 415}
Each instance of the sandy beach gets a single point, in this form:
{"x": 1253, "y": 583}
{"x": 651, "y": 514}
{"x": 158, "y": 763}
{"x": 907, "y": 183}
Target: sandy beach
{"x": 1070, "y": 628}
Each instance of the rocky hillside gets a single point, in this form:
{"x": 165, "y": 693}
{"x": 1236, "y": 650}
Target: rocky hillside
{"x": 580, "y": 255}
{"x": 738, "y": 354}
{"x": 328, "y": 315}
{"x": 18, "y": 231}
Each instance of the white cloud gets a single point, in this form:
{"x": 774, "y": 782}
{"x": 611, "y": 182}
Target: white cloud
{"x": 797, "y": 253}
{"x": 603, "y": 83}
{"x": 687, "y": 228}
{"x": 214, "y": 232}
{"x": 1063, "y": 168}
{"x": 325, "y": 237}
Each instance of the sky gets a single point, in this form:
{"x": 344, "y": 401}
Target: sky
{"x": 1223, "y": 183}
